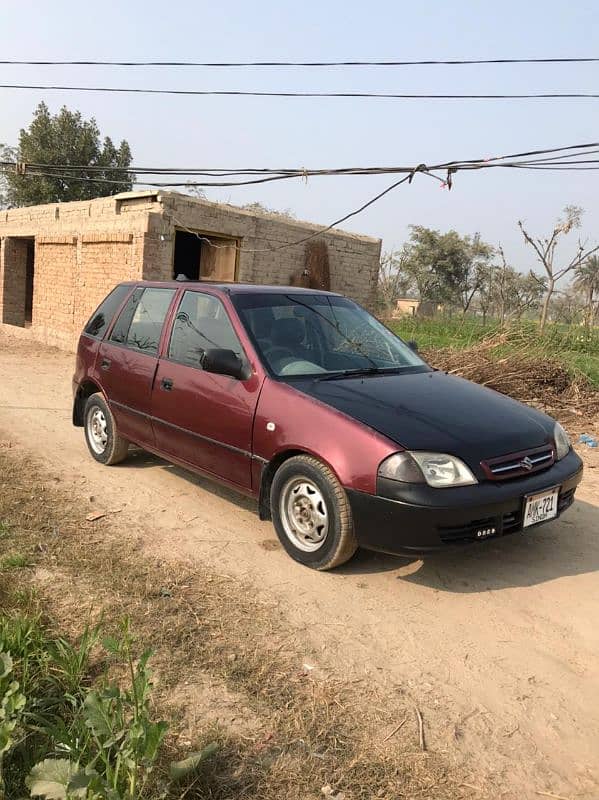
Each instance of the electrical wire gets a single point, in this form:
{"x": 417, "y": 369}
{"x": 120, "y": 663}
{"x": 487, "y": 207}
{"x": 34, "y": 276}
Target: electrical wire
{"x": 565, "y": 155}
{"x": 319, "y": 232}
{"x": 365, "y": 63}
{"x": 571, "y": 157}
{"x": 289, "y": 94}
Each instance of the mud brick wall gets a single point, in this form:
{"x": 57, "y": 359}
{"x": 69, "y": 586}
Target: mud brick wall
{"x": 83, "y": 249}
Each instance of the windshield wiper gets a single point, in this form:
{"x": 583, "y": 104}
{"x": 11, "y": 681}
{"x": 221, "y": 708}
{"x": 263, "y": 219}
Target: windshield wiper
{"x": 356, "y": 373}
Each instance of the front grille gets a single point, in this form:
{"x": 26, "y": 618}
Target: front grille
{"x": 517, "y": 465}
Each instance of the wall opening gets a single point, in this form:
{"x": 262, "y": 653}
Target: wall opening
{"x": 29, "y": 279}
{"x": 19, "y": 279}
{"x": 209, "y": 258}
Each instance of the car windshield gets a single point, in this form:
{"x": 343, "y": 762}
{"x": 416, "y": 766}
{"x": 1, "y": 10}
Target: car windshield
{"x": 299, "y": 334}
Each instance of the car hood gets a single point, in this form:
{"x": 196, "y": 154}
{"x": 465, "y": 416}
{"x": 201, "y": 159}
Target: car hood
{"x": 436, "y": 412}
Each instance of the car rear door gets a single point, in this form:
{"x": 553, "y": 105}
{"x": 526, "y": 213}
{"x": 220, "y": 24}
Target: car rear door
{"x": 127, "y": 360}
{"x": 201, "y": 418}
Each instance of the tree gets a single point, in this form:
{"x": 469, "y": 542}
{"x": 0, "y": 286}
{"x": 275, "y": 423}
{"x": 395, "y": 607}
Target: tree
{"x": 515, "y": 293}
{"x": 445, "y": 267}
{"x": 545, "y": 249}
{"x": 587, "y": 280}
{"x": 51, "y": 145}
{"x": 392, "y": 281}
{"x": 567, "y": 306}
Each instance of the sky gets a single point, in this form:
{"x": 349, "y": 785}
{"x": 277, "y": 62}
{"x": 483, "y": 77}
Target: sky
{"x": 332, "y": 132}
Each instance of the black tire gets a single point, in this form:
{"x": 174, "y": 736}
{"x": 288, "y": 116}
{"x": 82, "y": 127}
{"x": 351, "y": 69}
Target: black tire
{"x": 97, "y": 417}
{"x": 336, "y": 543}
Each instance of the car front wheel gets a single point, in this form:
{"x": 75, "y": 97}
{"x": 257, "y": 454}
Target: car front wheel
{"x": 101, "y": 435}
{"x": 311, "y": 514}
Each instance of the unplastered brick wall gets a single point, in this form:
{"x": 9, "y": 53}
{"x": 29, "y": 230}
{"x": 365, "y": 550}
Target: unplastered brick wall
{"x": 105, "y": 260}
{"x": 83, "y": 249}
{"x": 53, "y": 287}
{"x": 267, "y": 253}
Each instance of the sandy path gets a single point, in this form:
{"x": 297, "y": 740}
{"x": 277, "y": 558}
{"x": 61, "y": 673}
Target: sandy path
{"x": 498, "y": 645}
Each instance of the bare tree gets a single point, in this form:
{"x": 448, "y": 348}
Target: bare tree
{"x": 545, "y": 250}
{"x": 587, "y": 280}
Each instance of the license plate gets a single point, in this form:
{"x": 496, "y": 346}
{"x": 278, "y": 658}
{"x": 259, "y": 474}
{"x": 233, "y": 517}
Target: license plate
{"x": 540, "y": 507}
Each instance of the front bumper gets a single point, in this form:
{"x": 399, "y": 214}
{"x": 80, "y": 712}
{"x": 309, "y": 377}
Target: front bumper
{"x": 411, "y": 519}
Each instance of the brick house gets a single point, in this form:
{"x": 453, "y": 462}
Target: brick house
{"x": 58, "y": 261}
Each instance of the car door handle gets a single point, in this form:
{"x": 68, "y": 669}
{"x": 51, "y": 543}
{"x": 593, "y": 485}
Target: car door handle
{"x": 166, "y": 384}
{"x": 105, "y": 363}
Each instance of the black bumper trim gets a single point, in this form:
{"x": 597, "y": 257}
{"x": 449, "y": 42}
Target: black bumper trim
{"x": 401, "y": 527}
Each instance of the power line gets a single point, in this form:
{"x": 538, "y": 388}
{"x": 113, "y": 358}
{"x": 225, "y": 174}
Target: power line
{"x": 319, "y": 232}
{"x": 557, "y": 158}
{"x": 365, "y": 63}
{"x": 353, "y": 95}
{"x": 565, "y": 151}
{"x": 567, "y": 157}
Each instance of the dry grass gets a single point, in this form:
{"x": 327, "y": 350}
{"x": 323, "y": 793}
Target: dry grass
{"x": 514, "y": 368}
{"x": 294, "y": 730}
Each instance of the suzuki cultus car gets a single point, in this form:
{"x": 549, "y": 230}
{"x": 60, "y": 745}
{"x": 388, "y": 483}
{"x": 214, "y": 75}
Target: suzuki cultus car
{"x": 304, "y": 401}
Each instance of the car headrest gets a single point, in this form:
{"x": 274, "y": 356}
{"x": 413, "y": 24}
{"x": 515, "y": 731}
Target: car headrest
{"x": 287, "y": 332}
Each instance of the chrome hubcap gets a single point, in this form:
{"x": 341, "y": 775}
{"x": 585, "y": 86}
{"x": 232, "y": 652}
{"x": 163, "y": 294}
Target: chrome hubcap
{"x": 96, "y": 430}
{"x": 304, "y": 514}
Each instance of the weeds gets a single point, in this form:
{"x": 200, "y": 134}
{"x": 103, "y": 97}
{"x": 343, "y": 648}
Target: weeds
{"x": 294, "y": 732}
{"x": 16, "y": 561}
{"x": 69, "y": 736}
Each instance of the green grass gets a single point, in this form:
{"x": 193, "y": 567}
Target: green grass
{"x": 16, "y": 561}
{"x": 575, "y": 347}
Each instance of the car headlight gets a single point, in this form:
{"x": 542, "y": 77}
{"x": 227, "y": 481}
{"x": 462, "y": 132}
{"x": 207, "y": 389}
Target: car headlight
{"x": 437, "y": 469}
{"x": 562, "y": 442}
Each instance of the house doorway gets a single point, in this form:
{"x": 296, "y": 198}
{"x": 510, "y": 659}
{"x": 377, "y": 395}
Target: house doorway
{"x": 204, "y": 257}
{"x": 19, "y": 280}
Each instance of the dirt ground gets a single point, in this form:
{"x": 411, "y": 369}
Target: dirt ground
{"x": 497, "y": 645}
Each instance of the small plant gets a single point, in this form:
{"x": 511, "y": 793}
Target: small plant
{"x": 109, "y": 742}
{"x": 16, "y": 561}
{"x": 12, "y": 703}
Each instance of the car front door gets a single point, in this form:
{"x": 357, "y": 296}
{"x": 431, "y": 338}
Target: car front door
{"x": 199, "y": 417}
{"x": 127, "y": 360}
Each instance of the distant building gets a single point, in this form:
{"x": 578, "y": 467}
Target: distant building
{"x": 58, "y": 261}
{"x": 412, "y": 307}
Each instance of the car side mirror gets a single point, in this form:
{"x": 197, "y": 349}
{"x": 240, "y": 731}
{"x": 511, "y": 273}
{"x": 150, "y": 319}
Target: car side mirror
{"x": 413, "y": 345}
{"x": 224, "y": 362}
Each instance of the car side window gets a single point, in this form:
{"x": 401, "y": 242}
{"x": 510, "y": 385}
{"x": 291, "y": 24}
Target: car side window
{"x": 102, "y": 316}
{"x": 201, "y": 323}
{"x": 140, "y": 323}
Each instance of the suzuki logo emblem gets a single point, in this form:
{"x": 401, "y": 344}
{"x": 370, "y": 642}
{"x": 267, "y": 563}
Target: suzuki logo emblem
{"x": 526, "y": 464}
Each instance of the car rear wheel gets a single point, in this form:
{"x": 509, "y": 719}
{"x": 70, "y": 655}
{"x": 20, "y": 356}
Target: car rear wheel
{"x": 311, "y": 514}
{"x": 101, "y": 435}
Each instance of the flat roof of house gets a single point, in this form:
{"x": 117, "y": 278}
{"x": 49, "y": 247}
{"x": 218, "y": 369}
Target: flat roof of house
{"x": 162, "y": 195}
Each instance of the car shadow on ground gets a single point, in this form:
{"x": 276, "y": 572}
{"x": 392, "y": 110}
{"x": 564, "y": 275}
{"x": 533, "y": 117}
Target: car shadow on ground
{"x": 568, "y": 546}
{"x": 141, "y": 459}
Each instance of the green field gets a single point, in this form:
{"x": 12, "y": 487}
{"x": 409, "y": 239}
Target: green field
{"x": 575, "y": 347}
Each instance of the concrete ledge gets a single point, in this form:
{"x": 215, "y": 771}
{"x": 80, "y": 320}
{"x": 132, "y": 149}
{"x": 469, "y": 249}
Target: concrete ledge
{"x": 56, "y": 240}
{"x": 94, "y": 238}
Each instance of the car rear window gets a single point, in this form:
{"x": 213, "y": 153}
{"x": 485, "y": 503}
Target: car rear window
{"x": 103, "y": 315}
{"x": 140, "y": 323}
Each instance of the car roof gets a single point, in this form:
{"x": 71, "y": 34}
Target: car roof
{"x": 231, "y": 288}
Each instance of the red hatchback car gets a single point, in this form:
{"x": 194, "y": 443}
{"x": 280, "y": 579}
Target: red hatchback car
{"x": 304, "y": 401}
